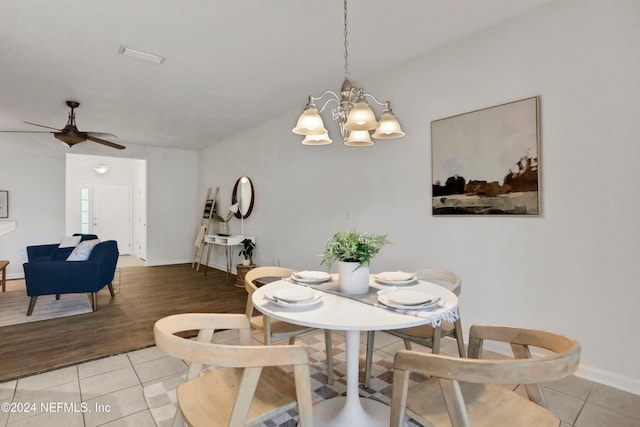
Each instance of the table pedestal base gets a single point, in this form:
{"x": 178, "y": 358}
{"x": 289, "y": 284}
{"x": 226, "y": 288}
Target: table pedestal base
{"x": 351, "y": 410}
{"x": 334, "y": 413}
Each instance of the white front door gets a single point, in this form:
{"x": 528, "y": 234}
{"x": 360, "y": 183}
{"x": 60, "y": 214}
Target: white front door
{"x": 111, "y": 217}
{"x": 105, "y": 210}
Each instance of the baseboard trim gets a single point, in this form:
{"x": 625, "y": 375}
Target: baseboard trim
{"x": 611, "y": 379}
{"x": 631, "y": 385}
{"x": 155, "y": 263}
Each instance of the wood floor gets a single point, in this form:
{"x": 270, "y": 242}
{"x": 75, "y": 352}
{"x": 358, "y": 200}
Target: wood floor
{"x": 122, "y": 323}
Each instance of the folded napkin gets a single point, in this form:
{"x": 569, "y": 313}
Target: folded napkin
{"x": 436, "y": 313}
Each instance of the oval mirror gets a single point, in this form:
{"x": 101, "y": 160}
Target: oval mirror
{"x": 243, "y": 195}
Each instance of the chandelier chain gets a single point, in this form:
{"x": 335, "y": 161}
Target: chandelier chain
{"x": 346, "y": 44}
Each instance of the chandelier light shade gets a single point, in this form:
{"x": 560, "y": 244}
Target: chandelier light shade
{"x": 361, "y": 117}
{"x": 317, "y": 139}
{"x": 356, "y": 119}
{"x": 359, "y": 138}
{"x": 310, "y": 122}
{"x": 388, "y": 127}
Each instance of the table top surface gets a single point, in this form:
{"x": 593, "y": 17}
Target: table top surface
{"x": 3, "y": 264}
{"x": 342, "y": 313}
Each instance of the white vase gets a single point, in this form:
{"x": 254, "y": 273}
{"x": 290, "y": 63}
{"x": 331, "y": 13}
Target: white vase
{"x": 353, "y": 280}
{"x": 224, "y": 228}
{"x": 246, "y": 262}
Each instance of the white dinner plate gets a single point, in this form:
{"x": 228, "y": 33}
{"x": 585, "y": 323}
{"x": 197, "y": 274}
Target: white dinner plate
{"x": 407, "y": 297}
{"x": 294, "y": 294}
{"x": 315, "y": 300}
{"x": 407, "y": 301}
{"x": 311, "y": 277}
{"x": 395, "y": 278}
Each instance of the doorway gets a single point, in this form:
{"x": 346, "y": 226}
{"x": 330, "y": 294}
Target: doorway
{"x": 111, "y": 205}
{"x": 105, "y": 210}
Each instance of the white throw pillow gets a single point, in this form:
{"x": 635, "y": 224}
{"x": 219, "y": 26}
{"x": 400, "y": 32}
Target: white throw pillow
{"x": 70, "y": 242}
{"x": 83, "y": 250}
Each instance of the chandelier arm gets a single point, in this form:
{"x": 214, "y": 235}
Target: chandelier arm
{"x": 334, "y": 97}
{"x": 374, "y": 99}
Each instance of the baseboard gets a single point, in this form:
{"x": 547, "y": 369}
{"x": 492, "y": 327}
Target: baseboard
{"x": 221, "y": 267}
{"x": 631, "y": 385}
{"x": 202, "y": 264}
{"x": 155, "y": 263}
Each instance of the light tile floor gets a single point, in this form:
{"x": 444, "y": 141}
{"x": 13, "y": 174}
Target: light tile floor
{"x": 109, "y": 392}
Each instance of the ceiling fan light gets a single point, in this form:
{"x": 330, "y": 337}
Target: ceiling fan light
{"x": 317, "y": 139}
{"x": 101, "y": 169}
{"x": 310, "y": 123}
{"x": 361, "y": 117}
{"x": 69, "y": 138}
{"x": 359, "y": 138}
{"x": 388, "y": 127}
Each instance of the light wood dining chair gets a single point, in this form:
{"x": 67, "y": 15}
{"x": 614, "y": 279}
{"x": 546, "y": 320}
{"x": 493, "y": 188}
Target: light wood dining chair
{"x": 247, "y": 385}
{"x": 425, "y": 335}
{"x": 480, "y": 392}
{"x": 276, "y": 330}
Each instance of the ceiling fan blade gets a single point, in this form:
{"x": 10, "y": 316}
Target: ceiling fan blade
{"x": 105, "y": 142}
{"x": 26, "y": 131}
{"x": 42, "y": 126}
{"x": 102, "y": 135}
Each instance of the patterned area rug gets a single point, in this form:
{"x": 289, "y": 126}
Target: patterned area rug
{"x": 14, "y": 303}
{"x": 161, "y": 396}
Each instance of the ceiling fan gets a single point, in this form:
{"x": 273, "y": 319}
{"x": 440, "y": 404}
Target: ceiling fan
{"x": 70, "y": 134}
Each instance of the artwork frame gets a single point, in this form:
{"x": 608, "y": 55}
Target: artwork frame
{"x": 487, "y": 161}
{"x": 4, "y": 204}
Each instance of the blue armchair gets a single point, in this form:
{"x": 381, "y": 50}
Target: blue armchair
{"x": 56, "y": 276}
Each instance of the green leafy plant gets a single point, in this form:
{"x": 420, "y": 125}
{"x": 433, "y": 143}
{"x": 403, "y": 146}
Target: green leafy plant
{"x": 247, "y": 248}
{"x": 351, "y": 246}
{"x": 232, "y": 210}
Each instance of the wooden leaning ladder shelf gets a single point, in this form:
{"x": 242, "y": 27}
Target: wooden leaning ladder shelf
{"x": 205, "y": 225}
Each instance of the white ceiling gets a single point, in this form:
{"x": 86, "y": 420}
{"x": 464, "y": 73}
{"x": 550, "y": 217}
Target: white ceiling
{"x": 230, "y": 64}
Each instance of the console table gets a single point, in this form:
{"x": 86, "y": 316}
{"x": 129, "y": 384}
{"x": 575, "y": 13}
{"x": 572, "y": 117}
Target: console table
{"x": 228, "y": 242}
{"x": 3, "y": 277}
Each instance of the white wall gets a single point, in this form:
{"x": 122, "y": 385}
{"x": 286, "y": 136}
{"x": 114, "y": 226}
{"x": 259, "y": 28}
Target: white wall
{"x": 571, "y": 270}
{"x": 32, "y": 168}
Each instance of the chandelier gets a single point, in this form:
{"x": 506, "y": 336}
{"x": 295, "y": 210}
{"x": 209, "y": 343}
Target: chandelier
{"x": 355, "y": 117}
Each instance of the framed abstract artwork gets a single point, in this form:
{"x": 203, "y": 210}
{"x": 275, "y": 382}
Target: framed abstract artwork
{"x": 486, "y": 162}
{"x": 4, "y": 204}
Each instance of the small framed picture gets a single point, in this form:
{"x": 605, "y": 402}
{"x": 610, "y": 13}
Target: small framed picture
{"x": 4, "y": 204}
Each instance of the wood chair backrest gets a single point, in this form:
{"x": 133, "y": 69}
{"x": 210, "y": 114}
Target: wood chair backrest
{"x": 256, "y": 273}
{"x": 524, "y": 369}
{"x": 453, "y": 281}
{"x": 251, "y": 358}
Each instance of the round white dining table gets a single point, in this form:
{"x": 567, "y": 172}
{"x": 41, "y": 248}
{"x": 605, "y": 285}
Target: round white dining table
{"x": 336, "y": 312}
